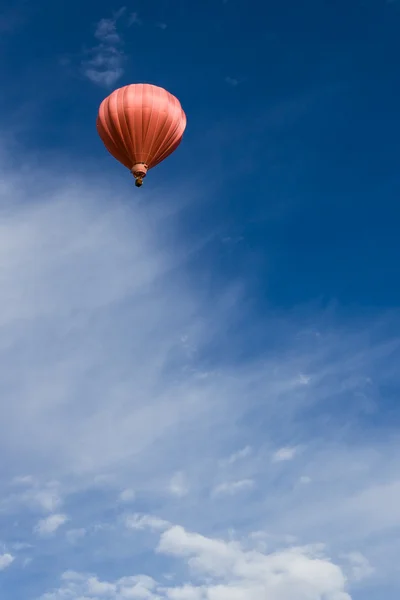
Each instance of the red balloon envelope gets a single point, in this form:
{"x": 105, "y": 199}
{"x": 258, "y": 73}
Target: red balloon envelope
{"x": 140, "y": 125}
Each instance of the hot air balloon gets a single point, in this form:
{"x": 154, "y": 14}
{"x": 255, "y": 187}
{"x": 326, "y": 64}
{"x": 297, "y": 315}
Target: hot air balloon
{"x": 141, "y": 125}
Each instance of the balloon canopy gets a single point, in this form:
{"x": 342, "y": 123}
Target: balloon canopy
{"x": 141, "y": 125}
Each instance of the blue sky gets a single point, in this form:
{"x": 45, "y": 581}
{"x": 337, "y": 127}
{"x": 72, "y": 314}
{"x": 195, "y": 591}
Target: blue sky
{"x": 199, "y": 379}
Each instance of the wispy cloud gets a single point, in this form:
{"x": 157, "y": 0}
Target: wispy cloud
{"x": 134, "y": 19}
{"x": 139, "y": 521}
{"x": 105, "y": 62}
{"x": 101, "y": 393}
{"x": 233, "y": 487}
{"x": 46, "y": 498}
{"x": 304, "y": 379}
{"x": 23, "y": 480}
{"x": 127, "y": 495}
{"x": 283, "y": 454}
{"x": 50, "y": 524}
{"x": 304, "y": 479}
{"x": 236, "y": 456}
{"x": 232, "y": 81}
{"x": 178, "y": 485}
{"x": 360, "y": 567}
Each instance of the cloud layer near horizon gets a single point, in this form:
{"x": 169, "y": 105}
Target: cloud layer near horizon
{"x": 220, "y": 570}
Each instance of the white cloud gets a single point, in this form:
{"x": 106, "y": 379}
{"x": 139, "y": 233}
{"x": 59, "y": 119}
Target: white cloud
{"x": 106, "y": 31}
{"x": 178, "y": 485}
{"x": 127, "y": 495}
{"x": 5, "y": 561}
{"x": 116, "y": 265}
{"x": 284, "y": 454}
{"x": 45, "y": 498}
{"x": 105, "y": 62}
{"x": 233, "y": 487}
{"x": 100, "y": 588}
{"x": 360, "y": 567}
{"x": 96, "y": 381}
{"x": 79, "y": 586}
{"x": 222, "y": 570}
{"x": 48, "y": 499}
{"x": 139, "y": 521}
{"x": 50, "y": 524}
{"x": 302, "y": 572}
